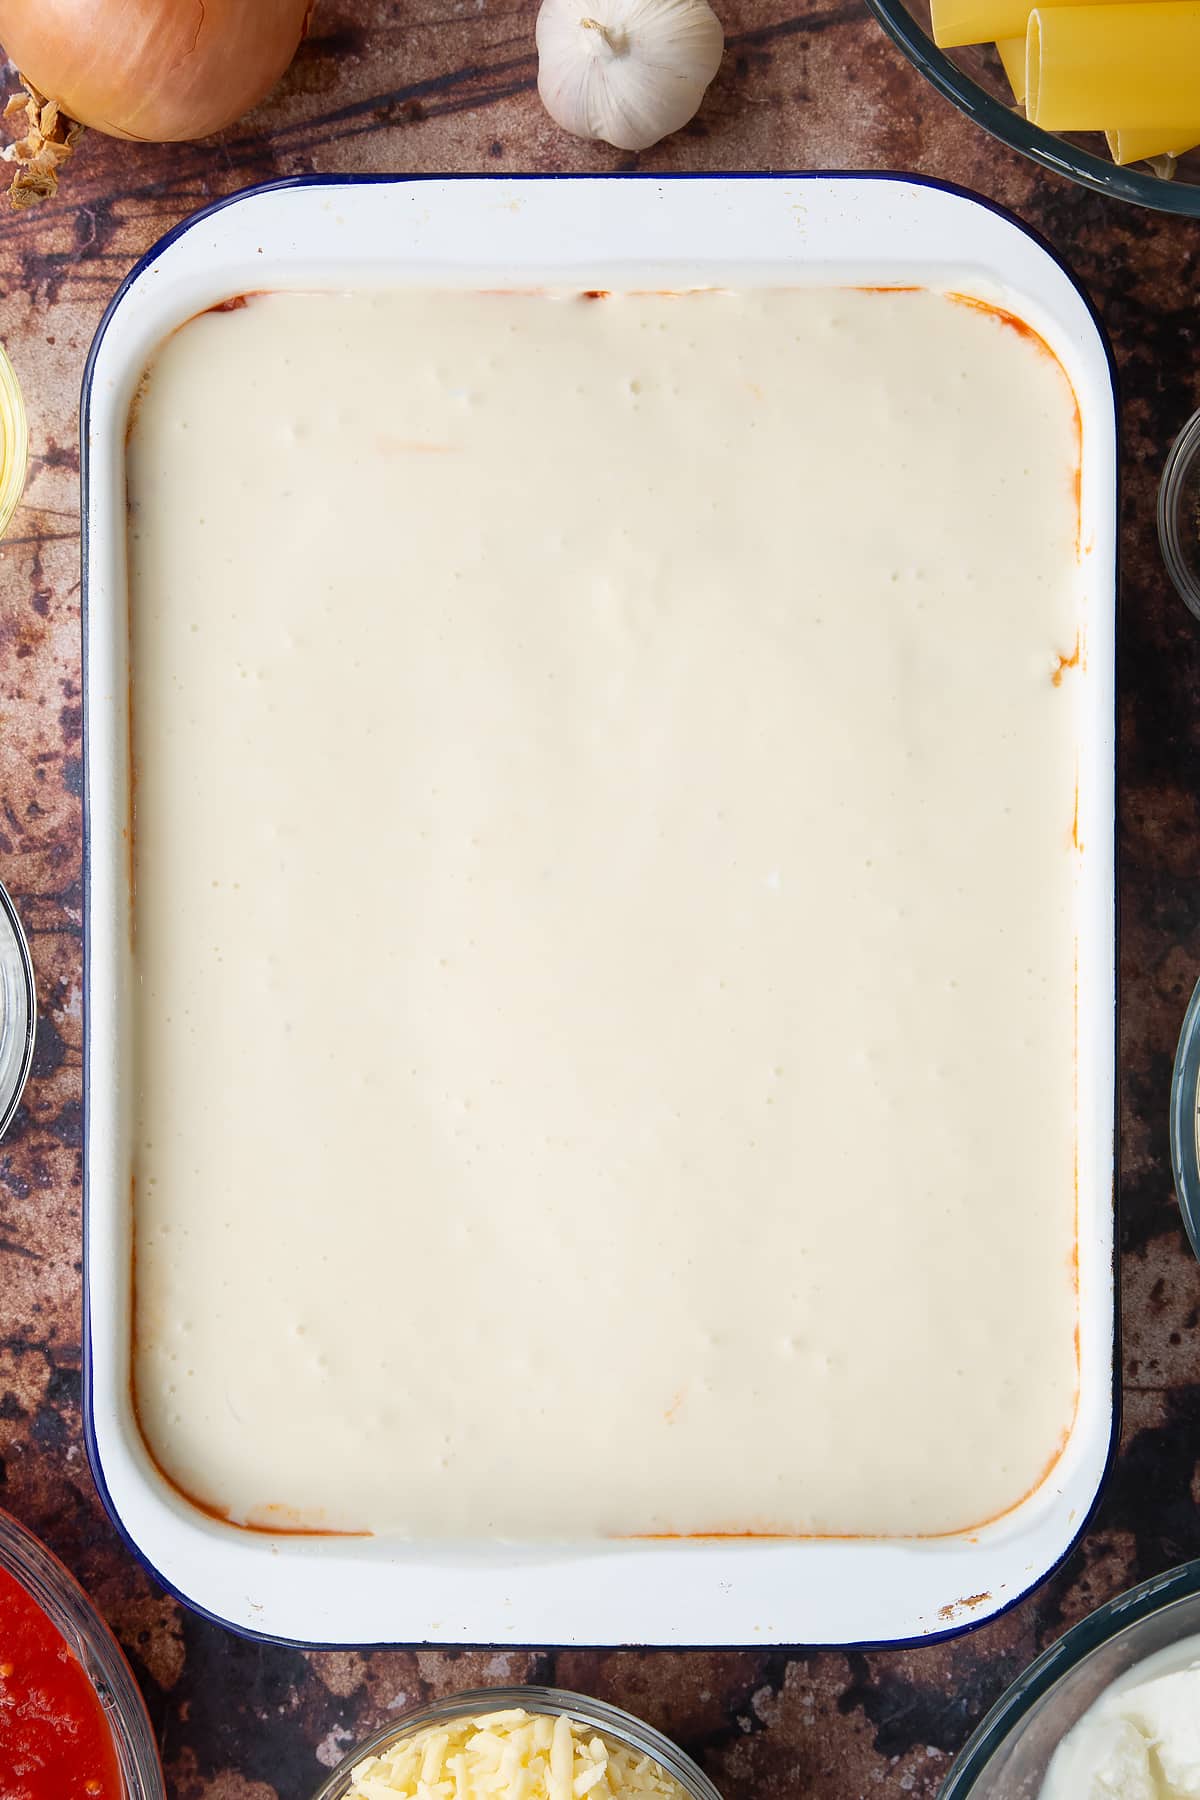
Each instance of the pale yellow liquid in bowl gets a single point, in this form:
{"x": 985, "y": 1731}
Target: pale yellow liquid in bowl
{"x": 605, "y": 912}
{"x": 14, "y": 442}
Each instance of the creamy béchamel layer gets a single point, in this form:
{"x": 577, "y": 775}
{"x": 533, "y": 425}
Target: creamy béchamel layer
{"x": 605, "y": 911}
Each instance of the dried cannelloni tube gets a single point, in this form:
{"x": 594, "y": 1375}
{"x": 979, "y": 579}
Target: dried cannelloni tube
{"x": 1012, "y": 55}
{"x": 955, "y": 22}
{"x": 1088, "y": 65}
{"x": 1140, "y": 143}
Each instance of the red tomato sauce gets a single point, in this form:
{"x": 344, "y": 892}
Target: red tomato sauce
{"x": 55, "y": 1743}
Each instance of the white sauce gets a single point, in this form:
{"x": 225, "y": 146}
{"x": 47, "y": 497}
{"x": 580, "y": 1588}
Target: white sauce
{"x": 1141, "y": 1739}
{"x": 605, "y": 912}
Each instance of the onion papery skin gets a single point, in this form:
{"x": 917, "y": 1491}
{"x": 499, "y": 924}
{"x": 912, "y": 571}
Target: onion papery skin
{"x": 162, "y": 71}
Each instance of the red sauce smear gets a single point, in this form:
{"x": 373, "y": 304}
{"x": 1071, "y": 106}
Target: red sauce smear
{"x": 236, "y": 302}
{"x": 55, "y": 1743}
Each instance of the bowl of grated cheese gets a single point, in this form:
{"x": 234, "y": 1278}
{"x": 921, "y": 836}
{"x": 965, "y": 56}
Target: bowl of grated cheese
{"x": 523, "y": 1743}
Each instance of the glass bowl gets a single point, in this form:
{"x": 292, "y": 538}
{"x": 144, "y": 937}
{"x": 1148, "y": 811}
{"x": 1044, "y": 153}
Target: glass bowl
{"x": 14, "y": 441}
{"x": 1184, "y": 1120}
{"x": 974, "y": 80}
{"x": 609, "y": 1721}
{"x": 18, "y": 1011}
{"x": 1009, "y": 1753}
{"x": 72, "y": 1614}
{"x": 1179, "y": 514}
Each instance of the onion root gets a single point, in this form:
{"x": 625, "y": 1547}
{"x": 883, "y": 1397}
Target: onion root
{"x": 50, "y": 136}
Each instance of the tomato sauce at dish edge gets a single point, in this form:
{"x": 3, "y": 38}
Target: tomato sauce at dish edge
{"x": 55, "y": 1741}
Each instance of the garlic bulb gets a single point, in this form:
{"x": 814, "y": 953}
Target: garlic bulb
{"x": 627, "y": 71}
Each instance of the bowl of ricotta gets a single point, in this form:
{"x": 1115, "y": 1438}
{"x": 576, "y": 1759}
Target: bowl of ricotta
{"x": 535, "y": 1743}
{"x": 1112, "y": 1709}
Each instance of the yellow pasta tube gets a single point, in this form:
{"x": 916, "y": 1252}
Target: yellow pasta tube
{"x": 1012, "y": 55}
{"x": 1139, "y": 63}
{"x": 1138, "y": 145}
{"x": 955, "y": 22}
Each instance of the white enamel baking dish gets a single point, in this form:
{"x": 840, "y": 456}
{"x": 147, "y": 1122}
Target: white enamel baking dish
{"x": 597, "y": 232}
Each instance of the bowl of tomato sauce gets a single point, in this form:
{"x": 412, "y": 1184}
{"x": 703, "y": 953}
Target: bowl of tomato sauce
{"x": 73, "y": 1724}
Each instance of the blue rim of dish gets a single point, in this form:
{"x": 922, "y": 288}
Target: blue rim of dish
{"x": 1185, "y": 1120}
{"x": 1107, "y": 1622}
{"x": 1055, "y": 153}
{"x": 140, "y": 268}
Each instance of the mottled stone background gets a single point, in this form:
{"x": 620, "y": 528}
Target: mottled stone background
{"x": 395, "y": 85}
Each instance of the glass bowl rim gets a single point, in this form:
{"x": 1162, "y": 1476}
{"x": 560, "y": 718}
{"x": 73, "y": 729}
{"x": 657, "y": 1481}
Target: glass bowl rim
{"x": 1107, "y": 1622}
{"x": 51, "y": 1585}
{"x": 16, "y": 1058}
{"x": 1044, "y": 147}
{"x": 1184, "y": 1117}
{"x": 612, "y": 1721}
{"x": 1180, "y": 460}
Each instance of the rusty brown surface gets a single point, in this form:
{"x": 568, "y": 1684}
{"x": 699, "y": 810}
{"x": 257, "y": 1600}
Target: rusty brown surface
{"x": 420, "y": 85}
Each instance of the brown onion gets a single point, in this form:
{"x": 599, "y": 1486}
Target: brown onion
{"x": 158, "y": 70}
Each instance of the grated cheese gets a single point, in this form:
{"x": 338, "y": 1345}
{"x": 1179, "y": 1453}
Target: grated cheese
{"x": 511, "y": 1755}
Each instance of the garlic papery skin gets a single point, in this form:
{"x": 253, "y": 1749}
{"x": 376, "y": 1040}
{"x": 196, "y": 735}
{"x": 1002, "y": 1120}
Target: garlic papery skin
{"x": 628, "y": 71}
